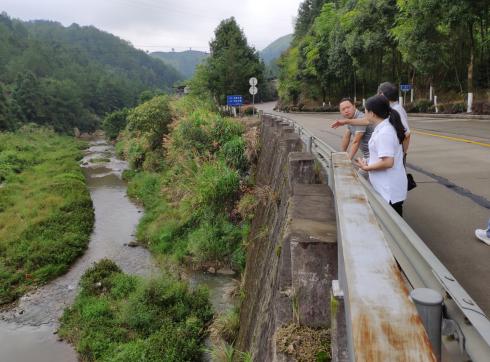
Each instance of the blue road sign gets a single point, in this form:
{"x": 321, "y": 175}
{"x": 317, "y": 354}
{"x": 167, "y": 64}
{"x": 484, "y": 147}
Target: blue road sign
{"x": 405, "y": 87}
{"x": 234, "y": 101}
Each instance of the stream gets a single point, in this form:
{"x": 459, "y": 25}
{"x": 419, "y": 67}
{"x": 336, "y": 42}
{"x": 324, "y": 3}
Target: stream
{"x": 28, "y": 330}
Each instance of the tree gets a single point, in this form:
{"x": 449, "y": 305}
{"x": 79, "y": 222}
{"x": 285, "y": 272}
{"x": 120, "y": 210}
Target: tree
{"x": 5, "y": 113}
{"x": 422, "y": 40}
{"x": 115, "y": 122}
{"x": 231, "y": 63}
{"x": 27, "y": 95}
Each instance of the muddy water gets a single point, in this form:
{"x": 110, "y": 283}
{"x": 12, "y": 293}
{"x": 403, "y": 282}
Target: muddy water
{"x": 27, "y": 330}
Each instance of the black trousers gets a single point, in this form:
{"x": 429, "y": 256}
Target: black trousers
{"x": 398, "y": 206}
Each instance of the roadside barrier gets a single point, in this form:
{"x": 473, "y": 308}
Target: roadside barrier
{"x": 371, "y": 236}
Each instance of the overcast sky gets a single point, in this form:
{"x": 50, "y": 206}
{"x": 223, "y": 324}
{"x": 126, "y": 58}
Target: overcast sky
{"x": 164, "y": 24}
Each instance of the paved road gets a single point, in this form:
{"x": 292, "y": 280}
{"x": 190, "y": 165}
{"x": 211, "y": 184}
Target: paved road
{"x": 450, "y": 161}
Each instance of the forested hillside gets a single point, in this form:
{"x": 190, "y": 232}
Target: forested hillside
{"x": 185, "y": 62}
{"x": 347, "y": 47}
{"x": 69, "y": 77}
{"x": 274, "y": 50}
{"x": 271, "y": 53}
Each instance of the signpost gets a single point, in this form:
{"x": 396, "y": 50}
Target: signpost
{"x": 405, "y": 88}
{"x": 234, "y": 101}
{"x": 253, "y": 91}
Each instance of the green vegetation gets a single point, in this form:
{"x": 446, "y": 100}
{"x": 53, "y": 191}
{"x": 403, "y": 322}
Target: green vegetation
{"x": 345, "y": 48}
{"x": 146, "y": 126}
{"x": 230, "y": 65}
{"x": 45, "y": 208}
{"x": 227, "y": 325}
{"x": 72, "y": 76}
{"x": 191, "y": 192}
{"x": 117, "y": 317}
{"x": 114, "y": 123}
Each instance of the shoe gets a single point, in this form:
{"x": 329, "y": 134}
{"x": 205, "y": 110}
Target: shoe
{"x": 482, "y": 235}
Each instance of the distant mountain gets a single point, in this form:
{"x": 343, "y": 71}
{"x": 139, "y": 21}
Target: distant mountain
{"x": 185, "y": 62}
{"x": 72, "y": 76}
{"x": 274, "y": 50}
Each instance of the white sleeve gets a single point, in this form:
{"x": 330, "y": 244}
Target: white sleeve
{"x": 403, "y": 116}
{"x": 404, "y": 119}
{"x": 386, "y": 145}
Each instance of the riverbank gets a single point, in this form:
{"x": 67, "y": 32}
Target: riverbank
{"x": 30, "y": 324}
{"x": 46, "y": 214}
{"x": 196, "y": 186}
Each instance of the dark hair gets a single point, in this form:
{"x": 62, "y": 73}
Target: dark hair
{"x": 347, "y": 99}
{"x": 380, "y": 106}
{"x": 389, "y": 90}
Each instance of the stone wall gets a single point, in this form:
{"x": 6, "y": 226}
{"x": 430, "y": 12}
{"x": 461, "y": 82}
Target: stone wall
{"x": 292, "y": 249}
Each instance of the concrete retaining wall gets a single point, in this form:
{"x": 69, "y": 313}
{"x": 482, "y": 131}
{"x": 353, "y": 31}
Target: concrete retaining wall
{"x": 292, "y": 248}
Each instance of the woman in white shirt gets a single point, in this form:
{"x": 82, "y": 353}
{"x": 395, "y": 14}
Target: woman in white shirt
{"x": 385, "y": 164}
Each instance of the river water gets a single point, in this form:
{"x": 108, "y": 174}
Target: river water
{"x": 27, "y": 331}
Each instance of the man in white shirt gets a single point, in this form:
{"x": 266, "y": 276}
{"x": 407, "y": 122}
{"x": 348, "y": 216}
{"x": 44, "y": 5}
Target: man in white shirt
{"x": 390, "y": 91}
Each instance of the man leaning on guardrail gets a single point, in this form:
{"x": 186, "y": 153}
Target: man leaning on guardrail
{"x": 360, "y": 134}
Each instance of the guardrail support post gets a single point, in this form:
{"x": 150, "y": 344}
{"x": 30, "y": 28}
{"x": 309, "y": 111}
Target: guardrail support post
{"x": 429, "y": 306}
{"x": 261, "y": 113}
{"x": 309, "y": 143}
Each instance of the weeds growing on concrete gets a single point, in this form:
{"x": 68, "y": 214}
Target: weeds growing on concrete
{"x": 302, "y": 343}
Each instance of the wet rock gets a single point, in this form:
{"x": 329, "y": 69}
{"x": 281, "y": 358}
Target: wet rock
{"x": 225, "y": 271}
{"x": 211, "y": 270}
{"x": 133, "y": 244}
{"x": 21, "y": 311}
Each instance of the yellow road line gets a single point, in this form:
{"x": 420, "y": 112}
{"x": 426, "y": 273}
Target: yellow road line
{"x": 453, "y": 138}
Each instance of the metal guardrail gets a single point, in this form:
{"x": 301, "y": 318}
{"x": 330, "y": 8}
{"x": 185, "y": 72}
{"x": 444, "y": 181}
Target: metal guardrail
{"x": 463, "y": 319}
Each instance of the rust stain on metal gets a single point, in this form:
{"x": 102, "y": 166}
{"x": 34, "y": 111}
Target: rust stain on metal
{"x": 385, "y": 324}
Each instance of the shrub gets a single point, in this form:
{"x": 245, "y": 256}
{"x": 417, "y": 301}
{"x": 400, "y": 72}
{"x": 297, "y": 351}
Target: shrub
{"x": 458, "y": 107}
{"x": 132, "y": 320}
{"x": 114, "y": 123}
{"x": 249, "y": 111}
{"x": 150, "y": 120}
{"x": 233, "y": 153}
{"x": 420, "y": 106}
{"x": 227, "y": 325}
{"x": 247, "y": 206}
{"x": 97, "y": 279}
{"x": 481, "y": 107}
{"x": 189, "y": 203}
{"x": 216, "y": 185}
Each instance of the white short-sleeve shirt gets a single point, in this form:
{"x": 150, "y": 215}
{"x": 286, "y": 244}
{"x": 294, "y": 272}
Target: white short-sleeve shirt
{"x": 403, "y": 115}
{"x": 390, "y": 183}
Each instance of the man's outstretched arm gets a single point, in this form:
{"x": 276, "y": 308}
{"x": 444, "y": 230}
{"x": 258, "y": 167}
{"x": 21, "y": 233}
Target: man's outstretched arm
{"x": 354, "y": 122}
